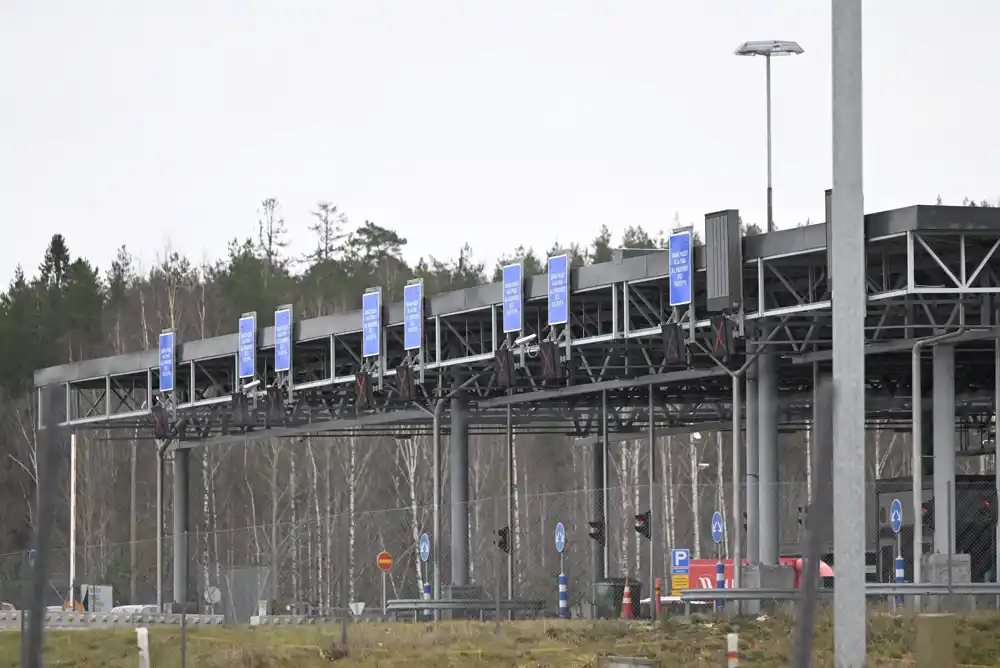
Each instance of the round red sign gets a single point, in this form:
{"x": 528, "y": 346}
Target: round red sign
{"x": 384, "y": 561}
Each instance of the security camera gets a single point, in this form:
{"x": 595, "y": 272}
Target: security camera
{"x": 525, "y": 340}
{"x": 251, "y": 385}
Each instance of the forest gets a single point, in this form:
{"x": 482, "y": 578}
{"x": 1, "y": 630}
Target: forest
{"x": 313, "y": 513}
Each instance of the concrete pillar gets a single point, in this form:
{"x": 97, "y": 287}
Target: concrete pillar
{"x": 944, "y": 447}
{"x": 181, "y": 526}
{"x": 753, "y": 465}
{"x": 935, "y": 646}
{"x": 460, "y": 491}
{"x": 767, "y": 444}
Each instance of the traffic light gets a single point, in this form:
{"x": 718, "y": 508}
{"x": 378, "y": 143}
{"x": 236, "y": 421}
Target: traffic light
{"x": 503, "y": 367}
{"x": 275, "y": 405}
{"x": 552, "y": 368}
{"x": 642, "y": 524}
{"x": 363, "y": 391}
{"x": 722, "y": 336}
{"x": 927, "y": 510}
{"x": 405, "y": 385}
{"x": 161, "y": 425}
{"x": 503, "y": 539}
{"x": 597, "y": 531}
{"x": 744, "y": 522}
{"x": 674, "y": 348}
{"x": 803, "y": 511}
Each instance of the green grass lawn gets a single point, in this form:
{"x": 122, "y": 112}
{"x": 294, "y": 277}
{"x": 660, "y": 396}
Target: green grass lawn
{"x": 679, "y": 642}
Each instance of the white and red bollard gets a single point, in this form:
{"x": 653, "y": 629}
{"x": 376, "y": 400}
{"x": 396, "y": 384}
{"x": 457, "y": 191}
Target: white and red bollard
{"x": 658, "y": 603}
{"x": 733, "y": 650}
{"x": 627, "y": 601}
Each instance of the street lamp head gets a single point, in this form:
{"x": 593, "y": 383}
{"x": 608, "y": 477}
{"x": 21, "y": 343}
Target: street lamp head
{"x": 775, "y": 47}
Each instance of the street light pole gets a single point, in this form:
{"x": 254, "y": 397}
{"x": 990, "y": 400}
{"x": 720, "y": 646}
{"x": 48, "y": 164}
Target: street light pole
{"x": 768, "y": 49}
{"x": 770, "y": 200}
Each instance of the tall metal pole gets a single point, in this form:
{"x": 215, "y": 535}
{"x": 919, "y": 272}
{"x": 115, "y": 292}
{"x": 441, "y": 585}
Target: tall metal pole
{"x": 770, "y": 212}
{"x": 436, "y": 497}
{"x": 133, "y": 547}
{"x": 72, "y": 519}
{"x": 653, "y": 535}
{"x": 848, "y": 268}
{"x": 737, "y": 524}
{"x": 604, "y": 482}
{"x": 510, "y": 499}
{"x": 996, "y": 444}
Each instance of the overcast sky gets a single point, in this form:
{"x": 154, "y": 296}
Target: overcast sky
{"x": 148, "y": 123}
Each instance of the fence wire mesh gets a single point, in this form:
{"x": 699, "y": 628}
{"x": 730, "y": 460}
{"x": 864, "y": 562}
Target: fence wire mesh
{"x": 318, "y": 561}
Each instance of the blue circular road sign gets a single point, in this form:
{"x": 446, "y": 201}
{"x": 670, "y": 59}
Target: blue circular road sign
{"x": 896, "y": 515}
{"x": 425, "y": 548}
{"x": 560, "y": 537}
{"x": 717, "y": 527}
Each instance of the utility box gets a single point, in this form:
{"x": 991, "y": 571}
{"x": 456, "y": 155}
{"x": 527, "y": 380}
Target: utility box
{"x": 723, "y": 261}
{"x": 608, "y": 595}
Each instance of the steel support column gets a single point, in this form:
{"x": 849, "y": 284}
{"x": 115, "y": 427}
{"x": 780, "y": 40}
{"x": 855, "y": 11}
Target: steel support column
{"x": 181, "y": 516}
{"x": 767, "y": 442}
{"x": 460, "y": 491}
{"x": 752, "y": 466}
{"x": 510, "y": 499}
{"x": 944, "y": 447}
{"x": 847, "y": 264}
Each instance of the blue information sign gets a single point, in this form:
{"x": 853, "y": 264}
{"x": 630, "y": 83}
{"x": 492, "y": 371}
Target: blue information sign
{"x": 413, "y": 316}
{"x": 371, "y": 323}
{"x": 560, "y": 538}
{"x": 167, "y": 362}
{"x": 680, "y": 562}
{"x": 680, "y": 268}
{"x": 513, "y": 294}
{"x": 425, "y": 548}
{"x": 717, "y": 527}
{"x": 896, "y": 515}
{"x": 248, "y": 345}
{"x": 559, "y": 290}
{"x": 283, "y": 339}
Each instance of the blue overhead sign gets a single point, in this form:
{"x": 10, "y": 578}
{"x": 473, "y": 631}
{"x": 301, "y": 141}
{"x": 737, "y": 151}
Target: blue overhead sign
{"x": 371, "y": 323}
{"x": 559, "y": 290}
{"x": 896, "y": 515}
{"x": 283, "y": 339}
{"x": 513, "y": 296}
{"x": 717, "y": 527}
{"x": 413, "y": 316}
{"x": 248, "y": 345}
{"x": 425, "y": 548}
{"x": 560, "y": 538}
{"x": 680, "y": 268}
{"x": 167, "y": 355}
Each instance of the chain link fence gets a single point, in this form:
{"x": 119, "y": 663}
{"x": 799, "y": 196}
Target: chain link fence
{"x": 317, "y": 562}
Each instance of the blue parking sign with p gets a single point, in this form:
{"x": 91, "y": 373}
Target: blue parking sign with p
{"x": 680, "y": 561}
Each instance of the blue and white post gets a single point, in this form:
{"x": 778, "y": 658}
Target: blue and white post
{"x": 563, "y": 597}
{"x": 720, "y": 583}
{"x": 424, "y": 548}
{"x": 900, "y": 578}
{"x": 720, "y": 568}
{"x": 563, "y": 583}
{"x": 896, "y": 523}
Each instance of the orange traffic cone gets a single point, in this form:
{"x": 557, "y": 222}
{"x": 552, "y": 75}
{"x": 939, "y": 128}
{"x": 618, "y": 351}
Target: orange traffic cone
{"x": 627, "y": 601}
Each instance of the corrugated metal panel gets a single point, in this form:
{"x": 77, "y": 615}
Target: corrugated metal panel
{"x": 724, "y": 260}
